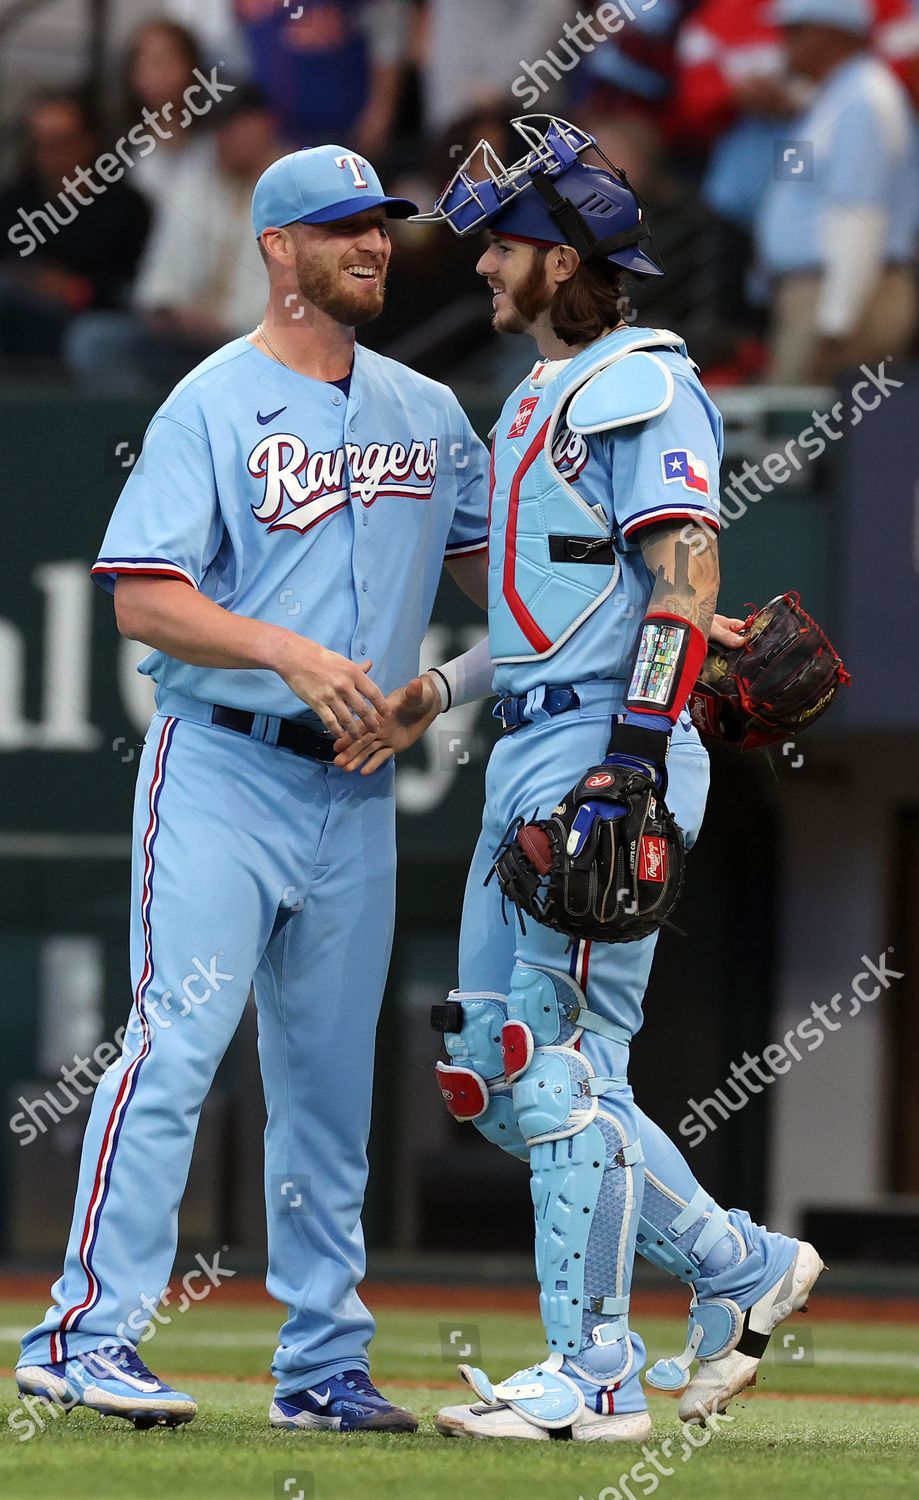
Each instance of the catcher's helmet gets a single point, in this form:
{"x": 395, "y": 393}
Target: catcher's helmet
{"x": 549, "y": 196}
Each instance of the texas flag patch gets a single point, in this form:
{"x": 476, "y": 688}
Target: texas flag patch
{"x": 522, "y": 420}
{"x": 680, "y": 466}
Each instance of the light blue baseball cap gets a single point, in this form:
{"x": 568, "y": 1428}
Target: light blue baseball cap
{"x": 319, "y": 185}
{"x": 844, "y": 15}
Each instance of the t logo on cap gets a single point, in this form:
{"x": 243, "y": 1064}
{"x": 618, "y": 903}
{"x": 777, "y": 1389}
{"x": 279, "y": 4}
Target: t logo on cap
{"x": 355, "y": 163}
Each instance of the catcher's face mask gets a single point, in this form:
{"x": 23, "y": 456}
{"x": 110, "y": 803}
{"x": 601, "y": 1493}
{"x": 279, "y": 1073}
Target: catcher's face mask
{"x": 548, "y": 195}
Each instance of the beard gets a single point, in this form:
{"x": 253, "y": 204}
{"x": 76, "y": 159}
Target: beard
{"x": 529, "y": 299}
{"x": 320, "y": 284}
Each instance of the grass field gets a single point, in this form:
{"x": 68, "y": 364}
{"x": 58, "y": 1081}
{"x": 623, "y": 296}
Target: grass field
{"x": 840, "y": 1418}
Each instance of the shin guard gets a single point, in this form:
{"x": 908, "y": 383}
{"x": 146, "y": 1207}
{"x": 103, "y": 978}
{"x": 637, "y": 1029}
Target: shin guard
{"x": 586, "y": 1172}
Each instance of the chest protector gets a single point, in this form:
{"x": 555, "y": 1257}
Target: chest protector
{"x": 551, "y": 557}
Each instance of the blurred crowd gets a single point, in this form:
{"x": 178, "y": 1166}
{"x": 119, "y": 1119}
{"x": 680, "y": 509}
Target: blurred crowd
{"x": 774, "y": 143}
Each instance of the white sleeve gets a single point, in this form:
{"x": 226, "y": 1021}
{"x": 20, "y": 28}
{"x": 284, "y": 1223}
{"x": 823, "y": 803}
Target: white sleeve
{"x": 466, "y": 678}
{"x": 853, "y": 247}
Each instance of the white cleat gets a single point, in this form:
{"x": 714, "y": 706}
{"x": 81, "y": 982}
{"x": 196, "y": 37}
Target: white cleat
{"x": 539, "y": 1404}
{"x": 719, "y": 1379}
{"x": 500, "y": 1421}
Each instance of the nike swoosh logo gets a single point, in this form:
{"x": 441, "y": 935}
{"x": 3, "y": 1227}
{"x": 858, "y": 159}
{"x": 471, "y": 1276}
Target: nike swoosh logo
{"x": 263, "y": 421}
{"x": 322, "y": 1400}
{"x": 114, "y": 1370}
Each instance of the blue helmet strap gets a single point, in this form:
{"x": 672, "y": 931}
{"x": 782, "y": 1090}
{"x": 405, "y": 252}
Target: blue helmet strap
{"x": 578, "y": 234}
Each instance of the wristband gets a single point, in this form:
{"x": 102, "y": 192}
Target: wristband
{"x": 670, "y": 656}
{"x": 443, "y": 688}
{"x": 645, "y": 744}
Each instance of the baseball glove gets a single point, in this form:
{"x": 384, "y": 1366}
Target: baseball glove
{"x": 607, "y": 865}
{"x": 783, "y": 677}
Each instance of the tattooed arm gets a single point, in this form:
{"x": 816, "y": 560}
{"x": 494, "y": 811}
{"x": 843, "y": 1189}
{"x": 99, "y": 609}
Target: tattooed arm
{"x": 671, "y": 647}
{"x": 684, "y": 563}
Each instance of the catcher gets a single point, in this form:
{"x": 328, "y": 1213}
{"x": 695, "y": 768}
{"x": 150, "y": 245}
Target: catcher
{"x": 603, "y": 579}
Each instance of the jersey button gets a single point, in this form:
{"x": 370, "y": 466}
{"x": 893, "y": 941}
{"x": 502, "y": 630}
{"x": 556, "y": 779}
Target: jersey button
{"x": 336, "y": 400}
{"x": 364, "y": 585}
{"x": 365, "y": 519}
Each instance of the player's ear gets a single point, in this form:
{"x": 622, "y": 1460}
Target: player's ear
{"x": 276, "y": 245}
{"x": 563, "y": 262}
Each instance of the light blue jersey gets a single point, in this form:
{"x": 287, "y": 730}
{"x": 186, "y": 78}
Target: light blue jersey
{"x": 862, "y": 132}
{"x": 587, "y": 452}
{"x": 283, "y": 499}
{"x": 258, "y": 864}
{"x": 570, "y": 458}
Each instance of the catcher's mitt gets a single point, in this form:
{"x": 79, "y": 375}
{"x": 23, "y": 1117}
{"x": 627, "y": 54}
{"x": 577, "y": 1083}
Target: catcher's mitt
{"x": 783, "y": 677}
{"x": 612, "y": 880}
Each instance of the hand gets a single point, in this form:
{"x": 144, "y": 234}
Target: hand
{"x": 827, "y": 359}
{"x": 603, "y": 808}
{"x": 410, "y": 710}
{"x": 337, "y": 689}
{"x": 762, "y": 94}
{"x": 726, "y": 631}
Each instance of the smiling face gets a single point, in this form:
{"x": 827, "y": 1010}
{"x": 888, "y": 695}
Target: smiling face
{"x": 341, "y": 267}
{"x": 519, "y": 280}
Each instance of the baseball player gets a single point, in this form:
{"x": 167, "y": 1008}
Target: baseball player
{"x": 603, "y": 578}
{"x": 278, "y": 545}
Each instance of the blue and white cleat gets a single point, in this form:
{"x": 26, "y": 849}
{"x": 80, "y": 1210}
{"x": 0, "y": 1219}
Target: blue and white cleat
{"x": 113, "y": 1381}
{"x": 545, "y": 1402}
{"x": 346, "y": 1402}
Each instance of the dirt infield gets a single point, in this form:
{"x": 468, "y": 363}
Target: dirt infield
{"x": 249, "y": 1291}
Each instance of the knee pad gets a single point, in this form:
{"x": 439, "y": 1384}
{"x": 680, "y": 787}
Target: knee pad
{"x": 472, "y": 1083}
{"x": 546, "y": 1008}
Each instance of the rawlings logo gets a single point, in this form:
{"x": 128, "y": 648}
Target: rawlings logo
{"x": 522, "y": 420}
{"x": 652, "y": 859}
{"x": 317, "y": 484}
{"x": 599, "y": 779}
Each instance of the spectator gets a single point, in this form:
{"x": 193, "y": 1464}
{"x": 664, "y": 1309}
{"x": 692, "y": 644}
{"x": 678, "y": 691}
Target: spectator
{"x": 734, "y": 99}
{"x": 437, "y": 313}
{"x": 202, "y": 281}
{"x": 475, "y": 50}
{"x": 161, "y": 61}
{"x": 837, "y": 234}
{"x": 633, "y": 70}
{"x": 687, "y": 298}
{"x": 331, "y": 68}
{"x": 216, "y": 26}
{"x": 70, "y": 236}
